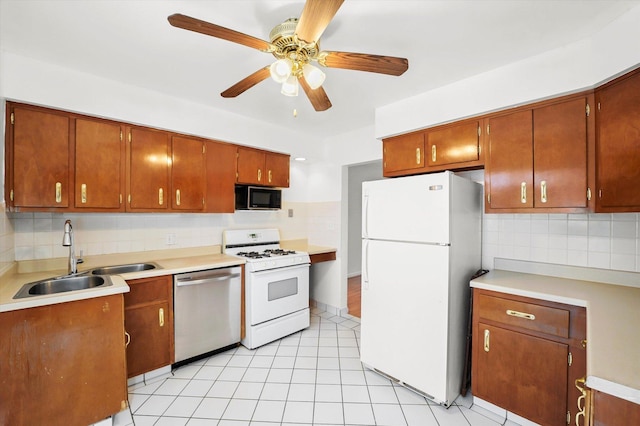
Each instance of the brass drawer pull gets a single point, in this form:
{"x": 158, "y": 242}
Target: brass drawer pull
{"x": 521, "y": 314}
{"x": 128, "y": 339}
{"x": 418, "y": 156}
{"x": 58, "y": 192}
{"x": 160, "y": 197}
{"x": 83, "y": 193}
{"x": 259, "y": 175}
{"x": 177, "y": 197}
{"x": 434, "y": 155}
{"x": 486, "y": 340}
{"x": 523, "y": 192}
{"x": 269, "y": 176}
{"x": 161, "y": 317}
{"x": 543, "y": 191}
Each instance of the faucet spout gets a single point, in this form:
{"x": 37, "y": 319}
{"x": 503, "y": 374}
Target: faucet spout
{"x": 67, "y": 241}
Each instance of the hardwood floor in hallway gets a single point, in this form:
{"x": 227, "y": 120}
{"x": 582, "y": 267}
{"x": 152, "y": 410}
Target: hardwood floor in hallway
{"x": 353, "y": 295}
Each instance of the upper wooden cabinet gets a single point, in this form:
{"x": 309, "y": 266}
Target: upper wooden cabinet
{"x": 148, "y": 169}
{"x": 37, "y": 158}
{"x": 446, "y": 147}
{"x": 537, "y": 158}
{"x": 618, "y": 145}
{"x": 221, "y": 177}
{"x": 99, "y": 165}
{"x": 257, "y": 167}
{"x": 187, "y": 174}
{"x": 403, "y": 154}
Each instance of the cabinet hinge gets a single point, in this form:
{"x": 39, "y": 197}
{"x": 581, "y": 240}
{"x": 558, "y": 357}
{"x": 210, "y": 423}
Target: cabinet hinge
{"x": 489, "y": 199}
{"x": 120, "y": 135}
{"x": 120, "y": 198}
{"x": 588, "y": 194}
{"x": 204, "y": 150}
{"x": 11, "y": 195}
{"x": 129, "y": 136}
{"x": 479, "y": 131}
{"x": 129, "y": 199}
{"x": 588, "y": 110}
{"x": 488, "y": 127}
{"x": 13, "y": 118}
{"x": 568, "y": 417}
{"x": 598, "y": 106}
{"x": 570, "y": 359}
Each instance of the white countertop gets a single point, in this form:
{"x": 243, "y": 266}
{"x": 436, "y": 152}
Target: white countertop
{"x": 183, "y": 261}
{"x": 613, "y": 323}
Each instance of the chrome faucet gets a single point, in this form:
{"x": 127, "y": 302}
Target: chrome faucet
{"x": 67, "y": 241}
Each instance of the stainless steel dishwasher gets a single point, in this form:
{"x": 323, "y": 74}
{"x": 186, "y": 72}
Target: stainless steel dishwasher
{"x": 206, "y": 311}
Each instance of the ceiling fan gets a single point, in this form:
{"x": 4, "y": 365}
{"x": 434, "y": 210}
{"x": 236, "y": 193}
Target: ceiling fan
{"x": 295, "y": 44}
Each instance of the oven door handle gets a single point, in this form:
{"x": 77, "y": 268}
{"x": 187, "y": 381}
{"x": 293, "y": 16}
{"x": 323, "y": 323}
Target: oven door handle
{"x": 181, "y": 282}
{"x": 287, "y": 268}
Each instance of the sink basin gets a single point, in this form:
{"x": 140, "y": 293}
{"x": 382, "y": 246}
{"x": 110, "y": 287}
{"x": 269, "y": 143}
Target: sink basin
{"x": 123, "y": 269}
{"x": 61, "y": 285}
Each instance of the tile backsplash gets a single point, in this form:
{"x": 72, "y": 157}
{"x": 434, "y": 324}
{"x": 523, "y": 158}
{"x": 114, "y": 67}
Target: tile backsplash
{"x": 607, "y": 241}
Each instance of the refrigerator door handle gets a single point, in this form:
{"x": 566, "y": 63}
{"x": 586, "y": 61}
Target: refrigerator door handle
{"x": 365, "y": 222}
{"x": 365, "y": 273}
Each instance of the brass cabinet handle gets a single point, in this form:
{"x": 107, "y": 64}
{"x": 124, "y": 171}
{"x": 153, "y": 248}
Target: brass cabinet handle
{"x": 433, "y": 153}
{"x": 486, "y": 340}
{"x": 58, "y": 192}
{"x": 543, "y": 191}
{"x": 269, "y": 176}
{"x": 128, "y": 339}
{"x": 177, "y": 197}
{"x": 160, "y": 196}
{"x": 259, "y": 175}
{"x": 523, "y": 192}
{"x": 417, "y": 155}
{"x": 521, "y": 315}
{"x": 83, "y": 193}
{"x": 161, "y": 317}
{"x": 582, "y": 406}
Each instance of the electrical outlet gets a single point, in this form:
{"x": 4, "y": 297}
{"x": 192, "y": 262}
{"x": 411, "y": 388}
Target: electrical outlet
{"x": 290, "y": 212}
{"x": 171, "y": 239}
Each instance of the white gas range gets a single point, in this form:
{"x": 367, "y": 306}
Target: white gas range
{"x": 276, "y": 285}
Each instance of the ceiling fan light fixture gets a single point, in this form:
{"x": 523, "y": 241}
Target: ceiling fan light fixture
{"x": 313, "y": 75}
{"x": 280, "y": 70}
{"x": 290, "y": 86}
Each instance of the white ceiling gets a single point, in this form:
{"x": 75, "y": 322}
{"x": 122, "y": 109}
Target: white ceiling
{"x": 445, "y": 41}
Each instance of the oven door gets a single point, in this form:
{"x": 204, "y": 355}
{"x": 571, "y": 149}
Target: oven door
{"x": 276, "y": 292}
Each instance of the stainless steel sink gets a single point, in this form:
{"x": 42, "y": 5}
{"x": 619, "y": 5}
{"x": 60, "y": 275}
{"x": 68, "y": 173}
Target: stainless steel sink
{"x": 123, "y": 269}
{"x": 61, "y": 285}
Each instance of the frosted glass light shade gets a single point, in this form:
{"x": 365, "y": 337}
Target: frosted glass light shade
{"x": 280, "y": 70}
{"x": 313, "y": 75}
{"x": 290, "y": 86}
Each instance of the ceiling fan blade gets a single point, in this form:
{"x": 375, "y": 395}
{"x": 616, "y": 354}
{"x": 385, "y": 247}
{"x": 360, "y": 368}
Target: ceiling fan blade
{"x": 315, "y": 17}
{"x": 202, "y": 27}
{"x": 364, "y": 62}
{"x": 246, "y": 83}
{"x": 318, "y": 97}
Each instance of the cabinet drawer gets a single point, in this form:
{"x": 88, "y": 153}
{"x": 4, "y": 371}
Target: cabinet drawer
{"x": 146, "y": 290}
{"x": 544, "y": 319}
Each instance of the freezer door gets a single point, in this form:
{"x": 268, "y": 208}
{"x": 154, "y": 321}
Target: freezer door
{"x": 414, "y": 208}
{"x": 404, "y": 313}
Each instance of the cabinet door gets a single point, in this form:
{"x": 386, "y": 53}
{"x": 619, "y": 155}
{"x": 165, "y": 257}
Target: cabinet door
{"x": 63, "y": 364}
{"x": 220, "y": 177}
{"x": 509, "y": 176}
{"x": 99, "y": 165}
{"x": 149, "y": 346}
{"x": 453, "y": 144}
{"x": 607, "y": 410}
{"x": 405, "y": 152}
{"x": 560, "y": 154}
{"x": 148, "y": 169}
{"x": 618, "y": 146}
{"x": 524, "y": 374}
{"x": 149, "y": 322}
{"x": 277, "y": 169}
{"x": 187, "y": 174}
{"x": 250, "y": 166}
{"x": 40, "y": 158}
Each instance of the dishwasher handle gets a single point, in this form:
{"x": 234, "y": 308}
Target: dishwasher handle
{"x": 185, "y": 281}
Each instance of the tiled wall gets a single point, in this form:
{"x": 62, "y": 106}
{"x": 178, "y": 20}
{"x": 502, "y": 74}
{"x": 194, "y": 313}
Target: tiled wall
{"x": 608, "y": 241}
{"x": 7, "y": 245}
{"x": 39, "y": 235}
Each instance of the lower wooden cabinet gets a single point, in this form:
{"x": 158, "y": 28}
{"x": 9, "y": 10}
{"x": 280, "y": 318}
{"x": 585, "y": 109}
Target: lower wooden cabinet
{"x": 527, "y": 354}
{"x": 63, "y": 364}
{"x": 149, "y": 324}
{"x": 607, "y": 410}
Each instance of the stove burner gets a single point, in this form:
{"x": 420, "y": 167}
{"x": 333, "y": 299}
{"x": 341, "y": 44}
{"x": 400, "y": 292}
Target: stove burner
{"x": 266, "y": 253}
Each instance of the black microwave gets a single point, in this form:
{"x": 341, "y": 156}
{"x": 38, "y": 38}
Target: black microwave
{"x": 258, "y": 198}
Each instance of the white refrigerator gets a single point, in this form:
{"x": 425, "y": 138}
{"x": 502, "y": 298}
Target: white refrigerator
{"x": 421, "y": 243}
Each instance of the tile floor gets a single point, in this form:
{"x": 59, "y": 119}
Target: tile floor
{"x": 313, "y": 377}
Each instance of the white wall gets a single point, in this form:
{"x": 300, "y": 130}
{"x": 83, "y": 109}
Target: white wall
{"x": 572, "y": 68}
